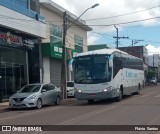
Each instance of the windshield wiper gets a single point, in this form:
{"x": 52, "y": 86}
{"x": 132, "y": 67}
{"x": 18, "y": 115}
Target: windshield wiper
{"x": 84, "y": 79}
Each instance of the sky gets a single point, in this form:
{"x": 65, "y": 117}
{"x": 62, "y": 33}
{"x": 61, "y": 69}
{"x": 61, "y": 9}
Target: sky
{"x": 135, "y": 19}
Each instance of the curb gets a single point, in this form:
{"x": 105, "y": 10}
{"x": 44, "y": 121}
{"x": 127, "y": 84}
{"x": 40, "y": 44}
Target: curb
{"x": 68, "y": 100}
{"x": 4, "y": 104}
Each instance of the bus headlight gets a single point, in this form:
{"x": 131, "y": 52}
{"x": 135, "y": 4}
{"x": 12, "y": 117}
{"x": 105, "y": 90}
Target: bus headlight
{"x": 107, "y": 89}
{"x": 78, "y": 90}
{"x": 104, "y": 90}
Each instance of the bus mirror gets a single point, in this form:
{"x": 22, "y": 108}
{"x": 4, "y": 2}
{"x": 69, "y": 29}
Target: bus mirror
{"x": 110, "y": 63}
{"x": 71, "y": 65}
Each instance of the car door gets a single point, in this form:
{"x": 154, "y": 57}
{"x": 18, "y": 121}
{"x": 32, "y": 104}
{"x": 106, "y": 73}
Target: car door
{"x": 53, "y": 93}
{"x": 45, "y": 95}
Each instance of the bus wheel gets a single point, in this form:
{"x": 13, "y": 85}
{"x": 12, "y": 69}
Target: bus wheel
{"x": 90, "y": 101}
{"x": 119, "y": 98}
{"x": 138, "y": 91}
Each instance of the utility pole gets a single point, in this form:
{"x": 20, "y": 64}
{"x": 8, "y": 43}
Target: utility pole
{"x": 63, "y": 67}
{"x": 117, "y": 37}
{"x": 153, "y": 60}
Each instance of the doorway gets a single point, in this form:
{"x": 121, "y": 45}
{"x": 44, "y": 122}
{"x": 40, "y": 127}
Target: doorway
{"x": 13, "y": 71}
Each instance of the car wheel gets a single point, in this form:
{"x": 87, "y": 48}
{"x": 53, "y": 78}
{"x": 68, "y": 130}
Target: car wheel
{"x": 58, "y": 100}
{"x": 39, "y": 104}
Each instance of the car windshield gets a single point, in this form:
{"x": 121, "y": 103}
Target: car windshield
{"x": 70, "y": 84}
{"x": 30, "y": 89}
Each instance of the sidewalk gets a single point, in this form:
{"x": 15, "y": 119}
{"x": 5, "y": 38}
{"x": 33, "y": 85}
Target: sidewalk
{"x": 4, "y": 104}
{"x": 68, "y": 100}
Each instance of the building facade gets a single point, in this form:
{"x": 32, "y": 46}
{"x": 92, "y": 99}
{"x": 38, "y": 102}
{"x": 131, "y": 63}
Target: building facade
{"x": 76, "y": 40}
{"x": 137, "y": 51}
{"x": 21, "y": 26}
{"x": 154, "y": 64}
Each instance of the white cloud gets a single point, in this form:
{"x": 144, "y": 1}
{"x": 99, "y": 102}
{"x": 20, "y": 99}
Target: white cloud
{"x": 108, "y": 8}
{"x": 92, "y": 39}
{"x": 153, "y": 49}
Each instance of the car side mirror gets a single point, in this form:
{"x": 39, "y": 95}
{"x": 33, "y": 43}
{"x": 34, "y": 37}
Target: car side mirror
{"x": 43, "y": 90}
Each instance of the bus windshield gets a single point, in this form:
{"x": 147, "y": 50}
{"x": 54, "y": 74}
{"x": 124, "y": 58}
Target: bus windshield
{"x": 92, "y": 69}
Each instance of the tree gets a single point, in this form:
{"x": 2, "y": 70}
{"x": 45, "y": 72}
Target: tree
{"x": 150, "y": 74}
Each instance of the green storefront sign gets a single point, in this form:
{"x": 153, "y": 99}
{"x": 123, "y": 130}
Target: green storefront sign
{"x": 55, "y": 51}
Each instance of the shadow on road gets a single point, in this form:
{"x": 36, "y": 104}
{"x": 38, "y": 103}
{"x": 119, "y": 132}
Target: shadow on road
{"x": 99, "y": 102}
{"x": 4, "y": 109}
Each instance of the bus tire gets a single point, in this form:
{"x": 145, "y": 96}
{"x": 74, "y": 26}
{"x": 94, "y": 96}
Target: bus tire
{"x": 90, "y": 101}
{"x": 119, "y": 98}
{"x": 139, "y": 90}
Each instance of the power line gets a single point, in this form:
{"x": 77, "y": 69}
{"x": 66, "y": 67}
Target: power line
{"x": 26, "y": 25}
{"x": 7, "y": 17}
{"x": 92, "y": 19}
{"x": 129, "y": 22}
{"x": 122, "y": 14}
{"x": 122, "y": 23}
{"x": 103, "y": 35}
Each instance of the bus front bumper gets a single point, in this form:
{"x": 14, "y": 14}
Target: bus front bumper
{"x": 99, "y": 95}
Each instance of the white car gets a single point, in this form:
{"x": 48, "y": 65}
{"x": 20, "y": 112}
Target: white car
{"x": 154, "y": 80}
{"x": 70, "y": 89}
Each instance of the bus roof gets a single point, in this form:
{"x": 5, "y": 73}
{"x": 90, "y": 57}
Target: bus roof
{"x": 105, "y": 51}
{"x": 100, "y": 51}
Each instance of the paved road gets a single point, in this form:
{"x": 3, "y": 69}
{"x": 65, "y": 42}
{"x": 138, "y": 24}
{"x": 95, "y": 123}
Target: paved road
{"x": 141, "y": 109}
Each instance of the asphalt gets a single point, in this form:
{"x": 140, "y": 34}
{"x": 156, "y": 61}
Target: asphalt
{"x": 5, "y": 105}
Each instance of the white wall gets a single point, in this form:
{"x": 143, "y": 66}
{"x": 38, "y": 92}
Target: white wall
{"x": 20, "y": 22}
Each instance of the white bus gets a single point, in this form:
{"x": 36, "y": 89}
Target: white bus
{"x": 107, "y": 73}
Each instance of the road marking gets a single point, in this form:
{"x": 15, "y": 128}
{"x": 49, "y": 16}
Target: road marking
{"x": 94, "y": 113}
{"x": 148, "y": 94}
{"x": 16, "y": 116}
{"x": 68, "y": 122}
{"x": 101, "y": 110}
{"x": 157, "y": 96}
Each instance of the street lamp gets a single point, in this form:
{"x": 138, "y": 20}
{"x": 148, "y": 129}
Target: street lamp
{"x": 135, "y": 41}
{"x": 63, "y": 67}
{"x": 95, "y": 5}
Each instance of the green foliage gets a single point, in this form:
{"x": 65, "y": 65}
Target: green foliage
{"x": 145, "y": 73}
{"x": 150, "y": 74}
